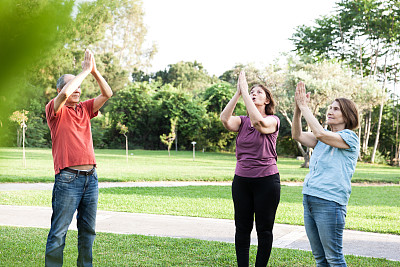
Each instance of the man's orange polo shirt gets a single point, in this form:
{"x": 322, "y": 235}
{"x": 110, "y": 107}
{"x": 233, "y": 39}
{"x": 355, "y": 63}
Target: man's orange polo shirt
{"x": 71, "y": 134}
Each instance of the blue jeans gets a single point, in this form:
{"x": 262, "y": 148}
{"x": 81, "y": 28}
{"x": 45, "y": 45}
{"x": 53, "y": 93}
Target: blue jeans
{"x": 324, "y": 221}
{"x": 73, "y": 192}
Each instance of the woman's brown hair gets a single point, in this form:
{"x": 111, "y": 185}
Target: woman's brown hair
{"x": 350, "y": 113}
{"x": 270, "y": 107}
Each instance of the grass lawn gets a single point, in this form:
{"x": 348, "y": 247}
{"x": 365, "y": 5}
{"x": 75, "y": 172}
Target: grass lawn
{"x": 26, "y": 246}
{"x": 146, "y": 165}
{"x": 372, "y": 208}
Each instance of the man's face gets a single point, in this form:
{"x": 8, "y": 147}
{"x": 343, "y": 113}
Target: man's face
{"x": 75, "y": 96}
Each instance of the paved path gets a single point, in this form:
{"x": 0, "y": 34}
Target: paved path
{"x": 285, "y": 236}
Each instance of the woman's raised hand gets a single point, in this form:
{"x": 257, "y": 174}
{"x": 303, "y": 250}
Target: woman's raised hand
{"x": 242, "y": 83}
{"x": 238, "y": 88}
{"x": 301, "y": 97}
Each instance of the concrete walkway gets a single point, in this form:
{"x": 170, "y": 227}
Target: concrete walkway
{"x": 285, "y": 236}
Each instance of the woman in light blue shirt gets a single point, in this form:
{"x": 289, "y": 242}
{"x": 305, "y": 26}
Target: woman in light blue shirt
{"x": 327, "y": 186}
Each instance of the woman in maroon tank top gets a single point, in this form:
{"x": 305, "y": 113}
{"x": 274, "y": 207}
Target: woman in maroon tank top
{"x": 256, "y": 184}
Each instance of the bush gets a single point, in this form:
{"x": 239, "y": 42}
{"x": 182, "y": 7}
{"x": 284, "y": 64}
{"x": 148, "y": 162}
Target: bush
{"x": 379, "y": 157}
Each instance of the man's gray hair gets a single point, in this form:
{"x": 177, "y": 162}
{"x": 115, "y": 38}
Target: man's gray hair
{"x": 61, "y": 81}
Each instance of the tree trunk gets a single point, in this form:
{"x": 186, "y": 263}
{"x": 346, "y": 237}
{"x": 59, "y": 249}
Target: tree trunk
{"x": 380, "y": 115}
{"x": 23, "y": 146}
{"x": 368, "y": 131}
{"x": 301, "y": 149}
{"x": 393, "y": 146}
{"x": 397, "y": 146}
{"x": 359, "y": 136}
{"x": 307, "y": 156}
{"x": 396, "y": 155}
{"x": 126, "y": 147}
{"x": 377, "y": 134}
{"x": 364, "y": 144}
{"x": 19, "y": 138}
{"x": 360, "y": 128}
{"x": 176, "y": 139}
{"x": 299, "y": 146}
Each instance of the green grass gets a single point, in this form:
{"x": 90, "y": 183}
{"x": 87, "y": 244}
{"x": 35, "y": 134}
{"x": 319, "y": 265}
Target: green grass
{"x": 26, "y": 247}
{"x": 147, "y": 165}
{"x": 372, "y": 209}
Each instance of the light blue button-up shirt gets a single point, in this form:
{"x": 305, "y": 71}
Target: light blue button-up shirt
{"x": 331, "y": 169}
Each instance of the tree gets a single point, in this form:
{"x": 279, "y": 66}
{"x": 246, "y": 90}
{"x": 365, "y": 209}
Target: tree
{"x": 171, "y": 102}
{"x": 169, "y": 139}
{"x": 38, "y": 134}
{"x": 253, "y": 75}
{"x": 125, "y": 34}
{"x": 326, "y": 81}
{"x": 21, "y": 117}
{"x": 49, "y": 41}
{"x": 217, "y": 96}
{"x": 123, "y": 130}
{"x": 214, "y": 136}
{"x": 187, "y": 76}
{"x": 133, "y": 106}
{"x": 363, "y": 34}
{"x": 90, "y": 29}
{"x": 146, "y": 109}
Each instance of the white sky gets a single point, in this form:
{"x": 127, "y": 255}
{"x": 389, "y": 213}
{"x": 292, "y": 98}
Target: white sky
{"x": 221, "y": 33}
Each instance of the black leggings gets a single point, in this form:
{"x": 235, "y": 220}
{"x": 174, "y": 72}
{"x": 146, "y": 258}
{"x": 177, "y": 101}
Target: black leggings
{"x": 259, "y": 196}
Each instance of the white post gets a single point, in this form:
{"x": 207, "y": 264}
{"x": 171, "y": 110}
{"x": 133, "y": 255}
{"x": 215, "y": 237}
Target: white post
{"x": 193, "y": 143}
{"x": 126, "y": 147}
{"x": 23, "y": 144}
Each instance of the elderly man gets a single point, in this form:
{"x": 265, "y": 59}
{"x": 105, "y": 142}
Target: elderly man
{"x": 76, "y": 185}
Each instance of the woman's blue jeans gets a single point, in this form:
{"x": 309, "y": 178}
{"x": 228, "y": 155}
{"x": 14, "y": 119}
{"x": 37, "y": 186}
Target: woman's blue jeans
{"x": 73, "y": 192}
{"x": 324, "y": 221}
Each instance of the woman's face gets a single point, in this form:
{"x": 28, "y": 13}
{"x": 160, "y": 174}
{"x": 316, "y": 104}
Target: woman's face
{"x": 334, "y": 115}
{"x": 258, "y": 96}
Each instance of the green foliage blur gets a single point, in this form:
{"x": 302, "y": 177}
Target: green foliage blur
{"x": 28, "y": 31}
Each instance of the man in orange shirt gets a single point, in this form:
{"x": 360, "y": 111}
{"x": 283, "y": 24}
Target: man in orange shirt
{"x": 76, "y": 183}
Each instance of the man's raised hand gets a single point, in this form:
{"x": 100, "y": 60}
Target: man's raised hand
{"x": 88, "y": 63}
{"x": 94, "y": 68}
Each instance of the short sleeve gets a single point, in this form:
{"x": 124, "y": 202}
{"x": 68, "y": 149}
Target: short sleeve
{"x": 351, "y": 139}
{"x": 50, "y": 110}
{"x": 278, "y": 123}
{"x": 88, "y": 105}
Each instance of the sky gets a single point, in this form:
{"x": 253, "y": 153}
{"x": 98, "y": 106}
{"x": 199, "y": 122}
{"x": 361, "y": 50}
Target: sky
{"x": 222, "y": 33}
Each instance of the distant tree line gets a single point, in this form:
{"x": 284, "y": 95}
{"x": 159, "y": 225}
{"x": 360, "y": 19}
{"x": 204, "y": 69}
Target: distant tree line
{"x": 347, "y": 54}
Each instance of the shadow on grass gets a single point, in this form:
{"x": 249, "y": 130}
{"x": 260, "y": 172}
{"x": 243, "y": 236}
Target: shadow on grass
{"x": 361, "y": 196}
{"x": 209, "y": 191}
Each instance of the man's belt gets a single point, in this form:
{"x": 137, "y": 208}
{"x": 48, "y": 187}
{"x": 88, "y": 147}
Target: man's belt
{"x": 79, "y": 172}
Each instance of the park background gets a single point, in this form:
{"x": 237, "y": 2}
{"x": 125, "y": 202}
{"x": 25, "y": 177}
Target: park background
{"x": 352, "y": 51}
